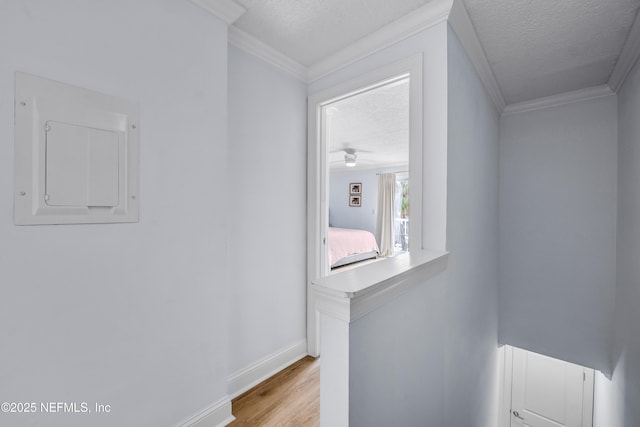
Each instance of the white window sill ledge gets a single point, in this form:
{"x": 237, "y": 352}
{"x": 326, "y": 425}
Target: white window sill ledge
{"x": 353, "y": 293}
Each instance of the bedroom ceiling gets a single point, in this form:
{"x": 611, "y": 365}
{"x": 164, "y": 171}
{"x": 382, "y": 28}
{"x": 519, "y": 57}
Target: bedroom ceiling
{"x": 535, "y": 48}
{"x": 374, "y": 125}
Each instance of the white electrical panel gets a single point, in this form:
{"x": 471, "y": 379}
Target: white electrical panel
{"x": 76, "y": 155}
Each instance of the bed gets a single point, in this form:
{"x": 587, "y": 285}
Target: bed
{"x": 346, "y": 246}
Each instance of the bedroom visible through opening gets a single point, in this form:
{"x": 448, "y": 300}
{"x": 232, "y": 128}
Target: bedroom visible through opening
{"x": 367, "y": 139}
{"x": 364, "y": 152}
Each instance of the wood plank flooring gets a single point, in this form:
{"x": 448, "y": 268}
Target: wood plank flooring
{"x": 289, "y": 398}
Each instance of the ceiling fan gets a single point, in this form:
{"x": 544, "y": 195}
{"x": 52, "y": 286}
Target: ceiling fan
{"x": 350, "y": 155}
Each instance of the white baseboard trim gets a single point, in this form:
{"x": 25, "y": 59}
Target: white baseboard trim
{"x": 215, "y": 415}
{"x": 259, "y": 371}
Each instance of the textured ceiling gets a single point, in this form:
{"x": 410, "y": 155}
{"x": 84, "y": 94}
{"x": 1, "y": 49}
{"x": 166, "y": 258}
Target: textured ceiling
{"x": 545, "y": 47}
{"x": 375, "y": 124}
{"x": 310, "y": 30}
{"x": 536, "y": 48}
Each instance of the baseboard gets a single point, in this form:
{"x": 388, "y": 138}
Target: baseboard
{"x": 215, "y": 415}
{"x": 259, "y": 371}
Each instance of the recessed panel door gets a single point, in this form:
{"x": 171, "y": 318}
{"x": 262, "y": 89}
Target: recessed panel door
{"x": 547, "y": 392}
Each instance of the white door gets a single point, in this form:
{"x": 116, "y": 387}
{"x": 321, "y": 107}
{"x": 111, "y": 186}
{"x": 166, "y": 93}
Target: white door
{"x": 547, "y": 392}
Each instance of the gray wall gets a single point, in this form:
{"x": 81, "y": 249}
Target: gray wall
{"x": 620, "y": 398}
{"x": 558, "y": 230}
{"x": 267, "y": 244}
{"x": 131, "y": 315}
{"x": 471, "y": 356}
{"x": 627, "y": 339}
{"x": 397, "y": 362}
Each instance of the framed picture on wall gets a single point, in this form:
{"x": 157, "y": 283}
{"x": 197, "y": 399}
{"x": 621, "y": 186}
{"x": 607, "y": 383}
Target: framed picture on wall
{"x": 355, "y": 188}
{"x": 355, "y": 201}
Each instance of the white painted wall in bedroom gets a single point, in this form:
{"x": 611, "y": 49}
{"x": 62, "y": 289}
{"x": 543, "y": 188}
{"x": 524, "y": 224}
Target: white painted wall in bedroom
{"x": 344, "y": 216}
{"x": 622, "y": 394}
{"x": 267, "y": 245}
{"x": 558, "y": 189}
{"x": 131, "y": 315}
{"x": 363, "y": 217}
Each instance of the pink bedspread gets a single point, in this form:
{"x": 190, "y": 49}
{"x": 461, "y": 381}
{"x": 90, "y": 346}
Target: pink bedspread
{"x": 344, "y": 242}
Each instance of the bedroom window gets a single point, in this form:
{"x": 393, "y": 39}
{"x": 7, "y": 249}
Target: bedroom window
{"x": 366, "y": 132}
{"x": 401, "y": 214}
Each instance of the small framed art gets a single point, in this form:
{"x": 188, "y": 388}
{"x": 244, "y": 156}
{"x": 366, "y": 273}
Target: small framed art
{"x": 355, "y": 188}
{"x": 355, "y": 201}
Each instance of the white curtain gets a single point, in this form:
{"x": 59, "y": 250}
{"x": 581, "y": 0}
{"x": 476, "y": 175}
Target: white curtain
{"x": 386, "y": 220}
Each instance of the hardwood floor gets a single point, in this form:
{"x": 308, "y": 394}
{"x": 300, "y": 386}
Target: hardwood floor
{"x": 289, "y": 398}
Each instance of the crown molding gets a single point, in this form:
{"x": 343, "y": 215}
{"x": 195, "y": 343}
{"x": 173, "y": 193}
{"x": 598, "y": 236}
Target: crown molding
{"x": 227, "y": 10}
{"x": 560, "y": 99}
{"x": 432, "y": 13}
{"x": 252, "y": 45}
{"x": 628, "y": 57}
{"x": 461, "y": 23}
